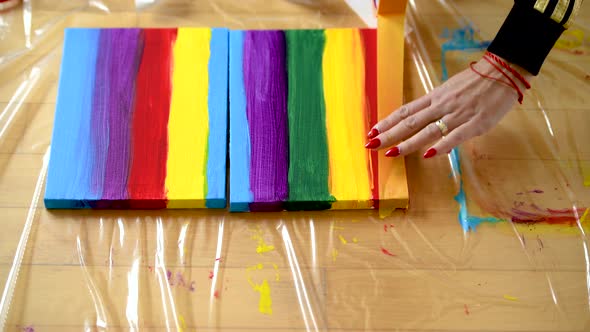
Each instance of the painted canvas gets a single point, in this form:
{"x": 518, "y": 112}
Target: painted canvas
{"x": 141, "y": 120}
{"x": 301, "y": 104}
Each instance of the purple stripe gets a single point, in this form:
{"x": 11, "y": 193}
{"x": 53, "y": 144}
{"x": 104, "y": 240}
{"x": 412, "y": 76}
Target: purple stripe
{"x": 265, "y": 82}
{"x": 116, "y": 68}
{"x": 99, "y": 132}
{"x": 126, "y": 55}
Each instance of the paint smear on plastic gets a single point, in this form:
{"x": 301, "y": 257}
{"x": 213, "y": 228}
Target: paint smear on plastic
{"x": 262, "y": 246}
{"x": 387, "y": 252}
{"x": 586, "y": 174}
{"x": 181, "y": 323}
{"x": 265, "y": 302}
{"x": 584, "y": 216}
{"x": 342, "y": 239}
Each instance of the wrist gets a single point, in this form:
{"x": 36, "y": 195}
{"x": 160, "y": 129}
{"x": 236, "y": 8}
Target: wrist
{"x": 488, "y": 67}
{"x": 519, "y": 75}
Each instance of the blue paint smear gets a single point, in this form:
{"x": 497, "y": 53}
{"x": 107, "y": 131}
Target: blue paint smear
{"x": 217, "y": 104}
{"x": 467, "y": 221}
{"x": 71, "y": 159}
{"x": 462, "y": 39}
{"x": 239, "y": 132}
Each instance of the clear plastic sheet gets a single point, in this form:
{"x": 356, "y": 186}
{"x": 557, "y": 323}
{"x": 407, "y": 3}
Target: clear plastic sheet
{"x": 494, "y": 239}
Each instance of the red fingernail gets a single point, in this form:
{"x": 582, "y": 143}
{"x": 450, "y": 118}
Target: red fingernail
{"x": 430, "y": 153}
{"x": 373, "y": 133}
{"x": 374, "y": 143}
{"x": 393, "y": 152}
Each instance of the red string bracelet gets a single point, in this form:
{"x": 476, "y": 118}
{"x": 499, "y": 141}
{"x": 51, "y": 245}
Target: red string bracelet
{"x": 509, "y": 68}
{"x": 487, "y": 76}
{"x": 520, "y": 94}
{"x": 512, "y": 84}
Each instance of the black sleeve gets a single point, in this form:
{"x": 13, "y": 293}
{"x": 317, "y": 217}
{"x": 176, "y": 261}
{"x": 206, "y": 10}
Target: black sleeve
{"x": 531, "y": 29}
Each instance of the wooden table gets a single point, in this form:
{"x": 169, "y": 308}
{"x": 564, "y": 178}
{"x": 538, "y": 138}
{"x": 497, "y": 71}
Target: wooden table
{"x": 209, "y": 271}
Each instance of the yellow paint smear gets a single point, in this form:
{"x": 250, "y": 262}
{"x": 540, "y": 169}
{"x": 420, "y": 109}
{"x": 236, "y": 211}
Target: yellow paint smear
{"x": 182, "y": 323}
{"x": 586, "y": 173}
{"x": 570, "y": 39}
{"x": 188, "y": 124}
{"x": 355, "y": 240}
{"x": 510, "y": 298}
{"x": 342, "y": 239}
{"x": 584, "y": 216}
{"x": 260, "y": 266}
{"x": 265, "y": 302}
{"x": 262, "y": 246}
{"x": 334, "y": 254}
{"x": 344, "y": 80}
{"x": 277, "y": 274}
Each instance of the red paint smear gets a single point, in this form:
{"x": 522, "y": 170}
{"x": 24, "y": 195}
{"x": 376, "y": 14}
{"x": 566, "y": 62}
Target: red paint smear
{"x": 151, "y": 268}
{"x": 386, "y": 252}
{"x": 550, "y": 216}
{"x": 466, "y": 309}
{"x": 370, "y": 46}
{"x": 536, "y": 191}
{"x": 218, "y": 259}
{"x": 211, "y": 275}
{"x": 385, "y": 227}
{"x": 147, "y": 176}
{"x": 216, "y": 294}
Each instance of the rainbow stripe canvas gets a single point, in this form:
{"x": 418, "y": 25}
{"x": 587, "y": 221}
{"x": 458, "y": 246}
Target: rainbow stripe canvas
{"x": 141, "y": 120}
{"x": 301, "y": 104}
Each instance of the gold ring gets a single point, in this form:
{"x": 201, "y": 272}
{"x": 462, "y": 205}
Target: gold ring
{"x": 442, "y": 126}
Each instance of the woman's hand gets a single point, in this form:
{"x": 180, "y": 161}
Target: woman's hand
{"x": 468, "y": 104}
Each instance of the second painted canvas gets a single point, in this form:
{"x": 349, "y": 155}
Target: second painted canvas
{"x": 301, "y": 104}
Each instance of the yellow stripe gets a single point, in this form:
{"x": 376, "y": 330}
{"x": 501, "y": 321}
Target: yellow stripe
{"x": 541, "y": 5}
{"x": 574, "y": 13}
{"x": 188, "y": 126}
{"x": 344, "y": 80}
{"x": 559, "y": 11}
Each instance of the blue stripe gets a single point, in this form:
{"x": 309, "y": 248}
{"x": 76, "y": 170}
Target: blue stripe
{"x": 239, "y": 136}
{"x": 217, "y": 142}
{"x": 71, "y": 160}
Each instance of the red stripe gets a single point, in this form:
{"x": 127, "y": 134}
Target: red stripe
{"x": 147, "y": 177}
{"x": 370, "y": 43}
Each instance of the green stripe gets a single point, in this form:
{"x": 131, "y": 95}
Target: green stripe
{"x": 308, "y": 145}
